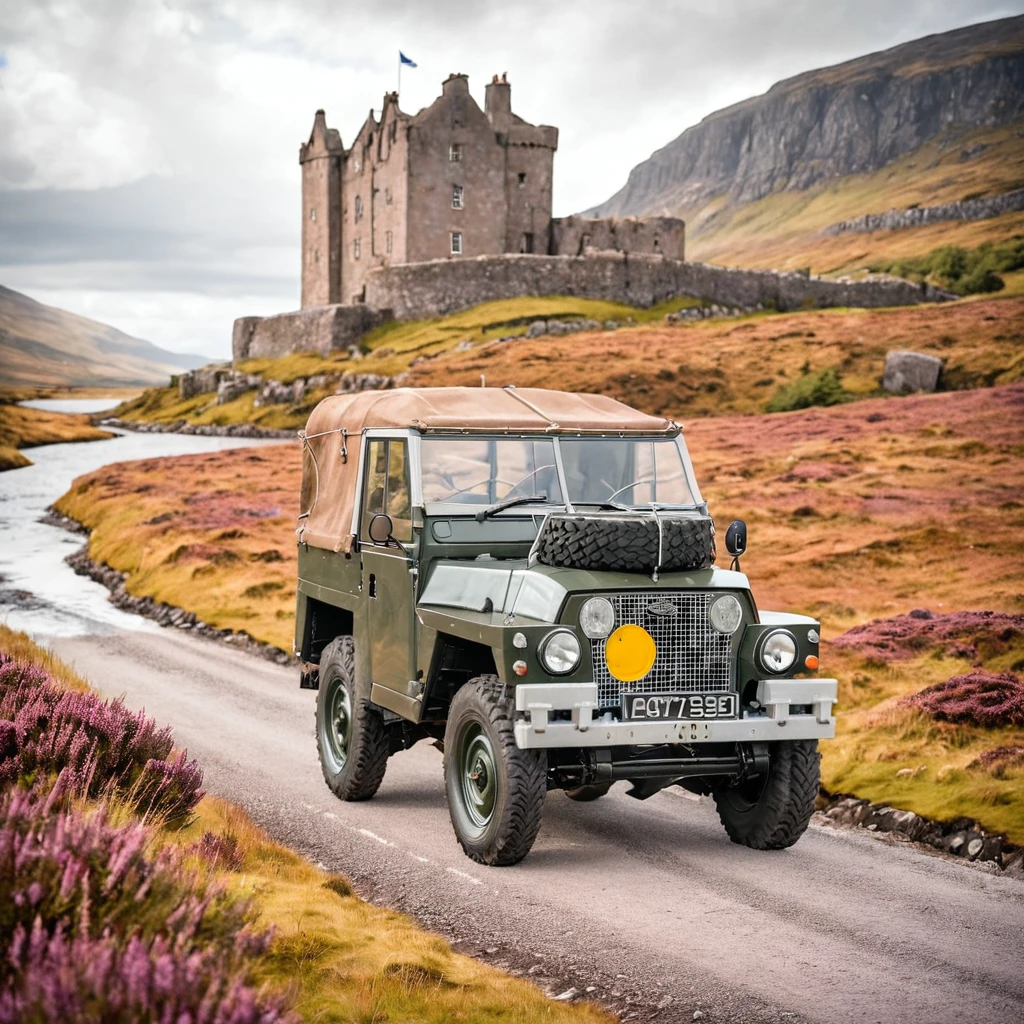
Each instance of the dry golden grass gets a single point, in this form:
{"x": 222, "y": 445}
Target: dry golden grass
{"x": 213, "y": 533}
{"x": 860, "y": 511}
{"x": 23, "y": 428}
{"x": 723, "y": 366}
{"x": 25, "y": 650}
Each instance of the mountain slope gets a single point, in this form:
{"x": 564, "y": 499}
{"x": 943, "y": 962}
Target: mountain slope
{"x": 42, "y": 345}
{"x": 930, "y": 121}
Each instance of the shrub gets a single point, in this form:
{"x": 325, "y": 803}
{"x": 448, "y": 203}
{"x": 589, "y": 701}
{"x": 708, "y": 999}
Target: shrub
{"x": 978, "y": 698}
{"x": 823, "y": 388}
{"x": 76, "y": 869}
{"x": 963, "y": 271}
{"x": 93, "y": 745}
{"x": 95, "y": 928}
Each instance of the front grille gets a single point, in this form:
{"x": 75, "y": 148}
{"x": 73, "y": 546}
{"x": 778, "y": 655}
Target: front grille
{"x": 693, "y": 657}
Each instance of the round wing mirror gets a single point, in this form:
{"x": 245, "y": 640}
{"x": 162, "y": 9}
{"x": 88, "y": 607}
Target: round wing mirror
{"x": 380, "y": 528}
{"x": 735, "y": 538}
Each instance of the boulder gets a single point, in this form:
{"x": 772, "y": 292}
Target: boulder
{"x": 537, "y": 328}
{"x": 202, "y": 380}
{"x": 910, "y": 371}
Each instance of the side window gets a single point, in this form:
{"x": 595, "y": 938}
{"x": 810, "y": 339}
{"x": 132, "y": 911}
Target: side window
{"x": 387, "y": 488}
{"x": 398, "y": 505}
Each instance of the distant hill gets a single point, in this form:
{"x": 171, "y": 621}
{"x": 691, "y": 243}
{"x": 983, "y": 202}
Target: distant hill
{"x": 42, "y": 345}
{"x": 935, "y": 120}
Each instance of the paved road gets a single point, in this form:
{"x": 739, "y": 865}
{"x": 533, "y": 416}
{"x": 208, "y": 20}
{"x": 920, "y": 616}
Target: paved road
{"x": 646, "y": 902}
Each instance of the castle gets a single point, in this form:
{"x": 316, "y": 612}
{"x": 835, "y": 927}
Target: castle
{"x": 451, "y": 182}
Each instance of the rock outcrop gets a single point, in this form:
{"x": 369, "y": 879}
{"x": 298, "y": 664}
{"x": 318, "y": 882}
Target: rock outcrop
{"x": 847, "y": 119}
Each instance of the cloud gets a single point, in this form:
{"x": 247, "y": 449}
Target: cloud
{"x": 149, "y": 147}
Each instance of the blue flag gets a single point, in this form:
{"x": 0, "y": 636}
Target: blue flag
{"x": 405, "y": 60}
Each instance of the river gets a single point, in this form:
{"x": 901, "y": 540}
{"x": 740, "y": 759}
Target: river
{"x": 39, "y": 594}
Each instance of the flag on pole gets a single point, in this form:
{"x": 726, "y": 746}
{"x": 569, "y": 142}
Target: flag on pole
{"x": 408, "y": 62}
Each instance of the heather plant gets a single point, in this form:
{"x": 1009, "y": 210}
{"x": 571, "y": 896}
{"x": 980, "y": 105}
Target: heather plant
{"x": 65, "y": 976}
{"x": 977, "y": 698}
{"x": 62, "y": 867}
{"x": 95, "y": 746}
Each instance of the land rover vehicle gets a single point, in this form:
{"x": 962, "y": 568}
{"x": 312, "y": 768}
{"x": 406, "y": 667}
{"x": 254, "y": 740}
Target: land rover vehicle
{"x": 528, "y": 578}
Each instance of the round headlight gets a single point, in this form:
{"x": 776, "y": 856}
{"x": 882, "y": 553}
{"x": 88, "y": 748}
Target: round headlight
{"x": 560, "y": 652}
{"x": 725, "y": 614}
{"x": 597, "y": 618}
{"x": 778, "y": 651}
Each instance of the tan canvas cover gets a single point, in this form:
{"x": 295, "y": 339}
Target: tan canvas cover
{"x": 333, "y": 436}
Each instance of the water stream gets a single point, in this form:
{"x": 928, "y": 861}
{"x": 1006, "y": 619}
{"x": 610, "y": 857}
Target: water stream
{"x": 38, "y": 592}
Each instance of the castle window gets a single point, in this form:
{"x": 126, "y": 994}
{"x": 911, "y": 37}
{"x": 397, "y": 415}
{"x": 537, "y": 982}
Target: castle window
{"x": 387, "y": 196}
{"x": 455, "y": 153}
{"x": 522, "y": 178}
{"x": 312, "y": 213}
{"x": 356, "y": 248}
{"x": 457, "y": 191}
{"x": 456, "y": 243}
{"x": 527, "y": 242}
{"x": 388, "y": 241}
{"x": 359, "y": 207}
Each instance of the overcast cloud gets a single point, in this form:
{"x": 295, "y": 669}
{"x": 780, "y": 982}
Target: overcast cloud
{"x": 148, "y": 149}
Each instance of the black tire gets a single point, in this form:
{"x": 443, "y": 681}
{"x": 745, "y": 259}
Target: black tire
{"x": 584, "y": 794}
{"x": 351, "y": 736}
{"x": 771, "y": 811}
{"x": 627, "y": 543}
{"x": 495, "y": 812}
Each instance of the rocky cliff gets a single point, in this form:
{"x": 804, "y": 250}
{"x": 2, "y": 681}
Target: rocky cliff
{"x": 847, "y": 119}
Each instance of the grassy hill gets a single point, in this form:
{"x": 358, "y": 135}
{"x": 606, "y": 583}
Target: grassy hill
{"x": 932, "y": 121}
{"x": 43, "y": 345}
{"x": 711, "y": 367}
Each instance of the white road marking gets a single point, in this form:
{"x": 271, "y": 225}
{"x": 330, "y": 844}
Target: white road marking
{"x": 416, "y": 856}
{"x": 373, "y": 835}
{"x": 462, "y": 874}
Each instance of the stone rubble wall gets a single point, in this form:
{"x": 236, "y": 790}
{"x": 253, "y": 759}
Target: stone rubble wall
{"x": 415, "y": 291}
{"x": 918, "y": 216}
{"x": 323, "y": 329}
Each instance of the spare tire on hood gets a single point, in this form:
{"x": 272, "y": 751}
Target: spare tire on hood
{"x": 627, "y": 541}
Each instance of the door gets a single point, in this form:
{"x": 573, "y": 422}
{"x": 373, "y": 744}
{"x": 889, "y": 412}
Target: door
{"x": 388, "y": 583}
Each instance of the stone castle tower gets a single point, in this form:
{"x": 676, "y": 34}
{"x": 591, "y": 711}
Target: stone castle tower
{"x": 450, "y": 182}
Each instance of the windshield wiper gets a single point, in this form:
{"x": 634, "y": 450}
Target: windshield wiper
{"x": 614, "y": 505}
{"x": 500, "y": 506}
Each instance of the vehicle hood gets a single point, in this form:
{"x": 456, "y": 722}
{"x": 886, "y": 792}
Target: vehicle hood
{"x": 512, "y": 587}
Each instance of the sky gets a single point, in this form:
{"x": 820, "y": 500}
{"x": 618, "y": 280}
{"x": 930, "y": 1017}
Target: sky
{"x": 149, "y": 170}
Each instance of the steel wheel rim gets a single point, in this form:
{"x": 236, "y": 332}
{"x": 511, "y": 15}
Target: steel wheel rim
{"x": 338, "y": 725}
{"x": 478, "y": 777}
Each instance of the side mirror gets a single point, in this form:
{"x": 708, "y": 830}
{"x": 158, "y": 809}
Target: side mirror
{"x": 735, "y": 538}
{"x": 380, "y": 528}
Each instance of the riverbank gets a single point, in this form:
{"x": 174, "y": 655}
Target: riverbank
{"x": 309, "y": 949}
{"x": 867, "y": 512}
{"x": 22, "y": 427}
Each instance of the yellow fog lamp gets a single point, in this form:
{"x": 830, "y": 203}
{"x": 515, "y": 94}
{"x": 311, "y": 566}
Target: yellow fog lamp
{"x": 629, "y": 653}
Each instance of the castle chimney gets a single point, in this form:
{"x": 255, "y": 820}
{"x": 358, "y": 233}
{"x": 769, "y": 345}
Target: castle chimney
{"x": 498, "y": 103}
{"x": 455, "y": 83}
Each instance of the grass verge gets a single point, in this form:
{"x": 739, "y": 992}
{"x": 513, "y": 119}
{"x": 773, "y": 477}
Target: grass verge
{"x": 330, "y": 956}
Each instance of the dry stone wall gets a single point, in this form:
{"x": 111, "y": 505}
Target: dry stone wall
{"x": 917, "y": 216}
{"x": 323, "y": 329}
{"x": 416, "y": 290}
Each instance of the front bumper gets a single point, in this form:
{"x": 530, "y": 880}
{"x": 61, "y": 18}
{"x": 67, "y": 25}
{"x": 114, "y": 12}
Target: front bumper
{"x": 535, "y": 702}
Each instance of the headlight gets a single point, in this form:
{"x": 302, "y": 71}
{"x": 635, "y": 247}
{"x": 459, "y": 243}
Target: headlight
{"x": 597, "y": 618}
{"x": 778, "y": 651}
{"x": 560, "y": 652}
{"x": 725, "y": 614}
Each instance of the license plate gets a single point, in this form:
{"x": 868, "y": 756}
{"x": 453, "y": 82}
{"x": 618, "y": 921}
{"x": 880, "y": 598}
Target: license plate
{"x": 661, "y": 706}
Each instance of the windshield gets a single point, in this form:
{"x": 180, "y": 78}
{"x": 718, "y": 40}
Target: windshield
{"x": 481, "y": 471}
{"x": 626, "y": 471}
{"x": 633, "y": 472}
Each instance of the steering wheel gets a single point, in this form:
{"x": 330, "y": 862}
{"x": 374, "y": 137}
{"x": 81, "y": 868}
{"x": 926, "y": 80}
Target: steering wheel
{"x": 529, "y": 476}
{"x": 478, "y": 483}
{"x": 632, "y": 483}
